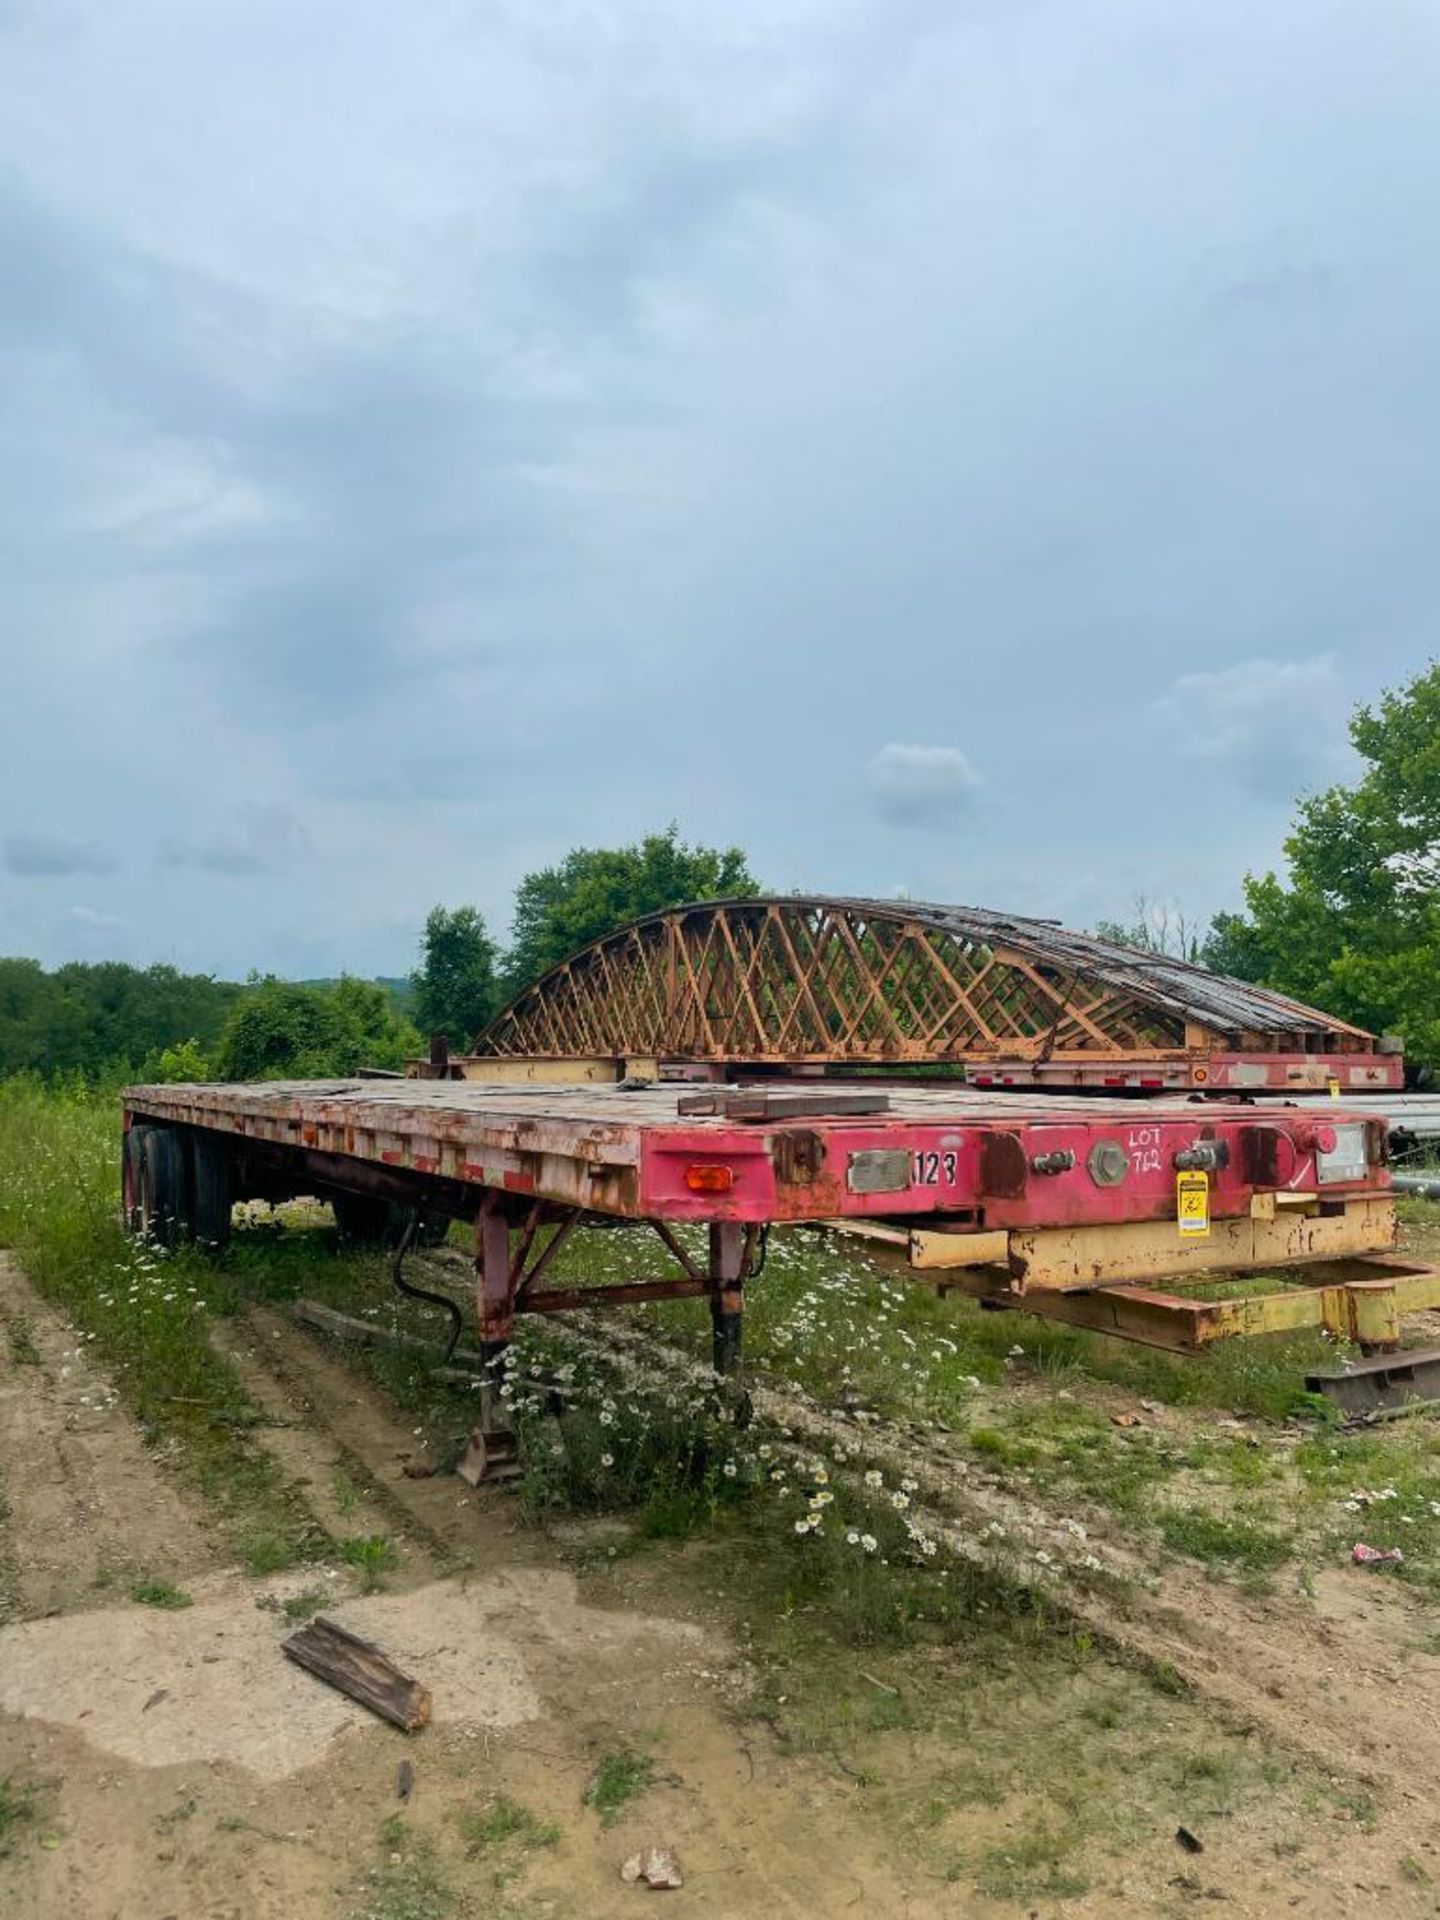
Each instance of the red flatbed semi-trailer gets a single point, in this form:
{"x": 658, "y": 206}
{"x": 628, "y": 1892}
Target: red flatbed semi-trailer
{"x": 1000, "y": 1160}
{"x": 1030, "y": 1196}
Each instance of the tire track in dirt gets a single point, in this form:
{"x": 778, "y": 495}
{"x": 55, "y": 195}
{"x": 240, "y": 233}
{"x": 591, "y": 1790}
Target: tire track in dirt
{"x": 758, "y": 1833}
{"x": 333, "y": 1420}
{"x": 89, "y": 1503}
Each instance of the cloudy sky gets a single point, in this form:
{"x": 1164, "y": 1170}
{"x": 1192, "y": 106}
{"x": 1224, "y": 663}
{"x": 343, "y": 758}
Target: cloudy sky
{"x": 981, "y": 449}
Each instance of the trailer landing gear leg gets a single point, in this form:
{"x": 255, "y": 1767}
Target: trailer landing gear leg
{"x": 730, "y": 1248}
{"x": 492, "y": 1453}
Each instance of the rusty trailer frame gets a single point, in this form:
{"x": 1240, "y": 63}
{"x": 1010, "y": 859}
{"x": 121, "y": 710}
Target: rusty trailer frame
{"x": 1064, "y": 1208}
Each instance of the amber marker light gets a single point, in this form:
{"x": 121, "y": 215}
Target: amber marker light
{"x": 709, "y": 1179}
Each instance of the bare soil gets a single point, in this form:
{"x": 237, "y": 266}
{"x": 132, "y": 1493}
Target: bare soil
{"x": 92, "y": 1505}
{"x": 186, "y": 1769}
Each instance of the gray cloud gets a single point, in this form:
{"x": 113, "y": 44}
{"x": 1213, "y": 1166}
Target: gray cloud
{"x": 1279, "y": 725}
{"x": 922, "y": 786}
{"x": 262, "y": 840}
{"x": 43, "y": 852}
{"x": 91, "y": 920}
{"x": 514, "y": 433}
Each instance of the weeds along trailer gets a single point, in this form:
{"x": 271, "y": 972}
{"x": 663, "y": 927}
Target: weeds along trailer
{"x": 1070, "y": 1209}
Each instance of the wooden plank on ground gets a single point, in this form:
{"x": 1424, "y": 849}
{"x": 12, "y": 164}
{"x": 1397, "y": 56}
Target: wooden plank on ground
{"x": 358, "y": 1669}
{"x": 870, "y": 1230}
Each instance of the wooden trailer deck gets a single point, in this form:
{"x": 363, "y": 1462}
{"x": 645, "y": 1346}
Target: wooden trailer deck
{"x": 794, "y": 1151}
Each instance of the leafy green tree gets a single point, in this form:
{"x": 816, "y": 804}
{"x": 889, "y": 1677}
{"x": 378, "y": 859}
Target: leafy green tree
{"x": 372, "y": 1033}
{"x": 594, "y": 890}
{"x": 280, "y": 1030}
{"x": 187, "y": 1061}
{"x": 454, "y": 986}
{"x": 1356, "y": 929}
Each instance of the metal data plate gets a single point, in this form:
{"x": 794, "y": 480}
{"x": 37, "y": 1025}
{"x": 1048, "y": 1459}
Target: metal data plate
{"x": 1347, "y": 1161}
{"x": 878, "y": 1170}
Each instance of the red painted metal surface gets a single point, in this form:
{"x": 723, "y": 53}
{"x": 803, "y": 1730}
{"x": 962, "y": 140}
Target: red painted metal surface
{"x": 1017, "y": 1160}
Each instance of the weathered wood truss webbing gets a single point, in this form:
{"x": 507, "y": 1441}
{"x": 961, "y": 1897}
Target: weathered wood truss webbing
{"x": 806, "y": 979}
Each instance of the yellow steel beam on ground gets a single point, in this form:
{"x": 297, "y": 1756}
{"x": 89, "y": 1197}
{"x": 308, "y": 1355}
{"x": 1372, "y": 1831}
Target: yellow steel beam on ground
{"x": 1088, "y": 1256}
{"x": 931, "y": 1248}
{"x": 1365, "y": 1306}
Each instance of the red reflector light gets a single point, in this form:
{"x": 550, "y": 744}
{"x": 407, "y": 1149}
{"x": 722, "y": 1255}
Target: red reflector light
{"x": 1151, "y": 1080}
{"x": 709, "y": 1179}
{"x": 1113, "y": 1080}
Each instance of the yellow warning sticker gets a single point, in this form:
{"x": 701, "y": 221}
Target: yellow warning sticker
{"x": 1334, "y": 1087}
{"x": 1192, "y": 1204}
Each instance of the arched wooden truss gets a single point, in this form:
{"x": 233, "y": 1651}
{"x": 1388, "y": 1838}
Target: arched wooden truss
{"x": 796, "y": 981}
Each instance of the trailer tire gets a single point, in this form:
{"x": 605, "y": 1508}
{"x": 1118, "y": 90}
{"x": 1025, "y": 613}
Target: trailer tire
{"x": 212, "y": 1190}
{"x": 363, "y": 1220}
{"x": 360, "y": 1219}
{"x": 434, "y": 1229}
{"x": 132, "y": 1177}
{"x": 164, "y": 1186}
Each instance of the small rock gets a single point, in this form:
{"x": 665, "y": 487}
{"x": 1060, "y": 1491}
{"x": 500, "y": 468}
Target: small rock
{"x": 656, "y": 1866}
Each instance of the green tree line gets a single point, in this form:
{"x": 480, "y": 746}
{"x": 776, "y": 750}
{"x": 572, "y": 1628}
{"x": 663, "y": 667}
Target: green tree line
{"x": 105, "y": 1017}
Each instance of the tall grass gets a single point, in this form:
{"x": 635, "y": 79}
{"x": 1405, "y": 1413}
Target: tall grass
{"x": 143, "y": 1310}
{"x": 142, "y": 1307}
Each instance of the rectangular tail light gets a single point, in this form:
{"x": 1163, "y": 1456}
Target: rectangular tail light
{"x": 702, "y": 1179}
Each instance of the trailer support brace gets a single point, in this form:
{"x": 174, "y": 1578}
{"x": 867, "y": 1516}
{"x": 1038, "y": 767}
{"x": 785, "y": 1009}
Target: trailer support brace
{"x": 731, "y": 1251}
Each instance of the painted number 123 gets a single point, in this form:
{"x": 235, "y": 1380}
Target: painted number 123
{"x": 930, "y": 1166}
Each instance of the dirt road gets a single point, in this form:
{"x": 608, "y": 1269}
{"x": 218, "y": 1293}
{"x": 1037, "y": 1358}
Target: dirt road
{"x": 187, "y": 1768}
{"x": 177, "y": 1764}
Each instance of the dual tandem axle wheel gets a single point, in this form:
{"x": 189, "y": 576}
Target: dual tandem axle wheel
{"x": 177, "y": 1186}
